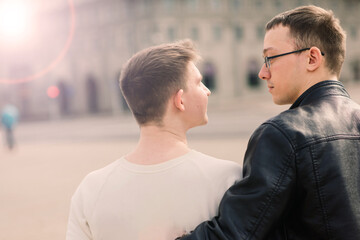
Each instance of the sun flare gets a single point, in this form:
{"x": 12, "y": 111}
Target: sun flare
{"x": 14, "y": 19}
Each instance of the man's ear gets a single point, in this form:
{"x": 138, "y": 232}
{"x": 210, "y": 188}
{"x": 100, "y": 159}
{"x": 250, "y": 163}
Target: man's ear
{"x": 178, "y": 100}
{"x": 315, "y": 59}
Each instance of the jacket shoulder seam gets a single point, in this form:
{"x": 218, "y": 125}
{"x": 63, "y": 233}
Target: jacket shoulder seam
{"x": 273, "y": 124}
{"x": 328, "y": 139}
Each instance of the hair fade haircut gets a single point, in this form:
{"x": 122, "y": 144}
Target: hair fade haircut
{"x": 314, "y": 26}
{"x": 152, "y": 76}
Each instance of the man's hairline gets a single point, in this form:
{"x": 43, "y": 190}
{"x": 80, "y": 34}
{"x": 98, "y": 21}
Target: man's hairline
{"x": 265, "y": 50}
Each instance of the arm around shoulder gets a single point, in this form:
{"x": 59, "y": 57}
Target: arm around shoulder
{"x": 254, "y": 205}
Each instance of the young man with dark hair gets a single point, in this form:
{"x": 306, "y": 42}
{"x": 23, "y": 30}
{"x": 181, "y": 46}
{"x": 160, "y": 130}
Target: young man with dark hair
{"x": 302, "y": 167}
{"x": 137, "y": 196}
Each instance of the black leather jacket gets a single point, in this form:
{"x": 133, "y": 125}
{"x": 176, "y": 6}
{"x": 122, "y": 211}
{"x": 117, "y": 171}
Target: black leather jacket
{"x": 301, "y": 174}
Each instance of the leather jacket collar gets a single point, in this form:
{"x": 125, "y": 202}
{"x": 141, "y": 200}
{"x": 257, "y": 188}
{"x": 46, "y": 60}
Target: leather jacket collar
{"x": 321, "y": 89}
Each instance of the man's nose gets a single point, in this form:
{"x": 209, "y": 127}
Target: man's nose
{"x": 264, "y": 73}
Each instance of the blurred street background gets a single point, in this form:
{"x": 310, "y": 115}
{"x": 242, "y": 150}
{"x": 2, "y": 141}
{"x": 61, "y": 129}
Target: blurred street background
{"x": 59, "y": 65}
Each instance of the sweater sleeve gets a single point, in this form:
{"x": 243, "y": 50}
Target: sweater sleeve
{"x": 78, "y": 227}
{"x": 252, "y": 207}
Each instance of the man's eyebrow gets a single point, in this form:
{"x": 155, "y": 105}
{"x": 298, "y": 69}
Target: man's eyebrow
{"x": 267, "y": 49}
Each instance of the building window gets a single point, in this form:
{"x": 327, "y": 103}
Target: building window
{"x": 145, "y": 6}
{"x": 259, "y": 3}
{"x": 350, "y": 5}
{"x": 334, "y": 4}
{"x": 252, "y": 74}
{"x": 169, "y": 5}
{"x": 91, "y": 86}
{"x": 235, "y": 5}
{"x": 238, "y": 33}
{"x": 215, "y": 4}
{"x": 260, "y": 32}
{"x": 192, "y": 5}
{"x": 353, "y": 32}
{"x": 195, "y": 33}
{"x": 209, "y": 75}
{"x": 300, "y": 2}
{"x": 154, "y": 34}
{"x": 148, "y": 4}
{"x": 171, "y": 33}
{"x": 278, "y": 3}
{"x": 217, "y": 33}
{"x": 356, "y": 70}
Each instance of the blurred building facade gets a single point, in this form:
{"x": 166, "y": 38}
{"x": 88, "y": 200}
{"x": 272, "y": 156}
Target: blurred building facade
{"x": 228, "y": 33}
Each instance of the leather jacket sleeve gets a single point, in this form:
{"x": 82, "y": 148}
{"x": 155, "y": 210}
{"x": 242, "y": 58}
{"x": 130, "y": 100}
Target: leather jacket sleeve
{"x": 254, "y": 206}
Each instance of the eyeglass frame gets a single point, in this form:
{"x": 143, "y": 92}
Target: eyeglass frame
{"x": 267, "y": 59}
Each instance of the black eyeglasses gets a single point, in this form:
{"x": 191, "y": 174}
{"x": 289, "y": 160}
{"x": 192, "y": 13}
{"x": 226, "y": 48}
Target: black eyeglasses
{"x": 267, "y": 59}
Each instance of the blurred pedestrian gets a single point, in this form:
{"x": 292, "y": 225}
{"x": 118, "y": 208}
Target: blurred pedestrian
{"x": 302, "y": 167}
{"x": 162, "y": 188}
{"x": 9, "y": 118}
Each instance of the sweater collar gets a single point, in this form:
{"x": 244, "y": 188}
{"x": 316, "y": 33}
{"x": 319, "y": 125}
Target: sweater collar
{"x": 323, "y": 88}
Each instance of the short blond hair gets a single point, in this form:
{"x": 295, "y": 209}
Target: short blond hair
{"x": 153, "y": 75}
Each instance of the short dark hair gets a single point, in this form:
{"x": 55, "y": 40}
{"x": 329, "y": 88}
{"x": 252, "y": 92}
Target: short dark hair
{"x": 315, "y": 26}
{"x": 153, "y": 75}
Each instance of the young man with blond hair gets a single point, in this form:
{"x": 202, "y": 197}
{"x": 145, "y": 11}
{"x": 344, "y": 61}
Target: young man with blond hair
{"x": 302, "y": 167}
{"x": 137, "y": 196}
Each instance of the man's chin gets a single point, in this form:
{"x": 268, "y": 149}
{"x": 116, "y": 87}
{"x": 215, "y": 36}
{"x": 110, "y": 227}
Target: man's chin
{"x": 204, "y": 122}
{"x": 279, "y": 101}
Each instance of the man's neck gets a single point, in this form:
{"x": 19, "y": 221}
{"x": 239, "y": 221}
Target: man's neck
{"x": 313, "y": 79}
{"x": 157, "y": 145}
